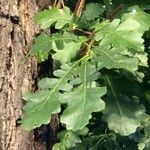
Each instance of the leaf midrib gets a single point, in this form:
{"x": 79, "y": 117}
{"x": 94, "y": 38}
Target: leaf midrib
{"x": 117, "y": 63}
{"x": 116, "y": 99}
{"x": 53, "y": 90}
{"x": 85, "y": 85}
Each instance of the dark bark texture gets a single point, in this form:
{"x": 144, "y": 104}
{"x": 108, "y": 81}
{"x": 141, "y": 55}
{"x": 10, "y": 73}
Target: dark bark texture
{"x": 17, "y": 30}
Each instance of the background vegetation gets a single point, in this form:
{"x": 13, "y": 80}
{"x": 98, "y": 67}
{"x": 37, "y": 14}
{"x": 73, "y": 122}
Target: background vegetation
{"x": 99, "y": 85}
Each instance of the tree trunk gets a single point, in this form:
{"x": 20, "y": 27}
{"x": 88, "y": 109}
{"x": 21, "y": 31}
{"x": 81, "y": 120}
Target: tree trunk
{"x": 17, "y": 31}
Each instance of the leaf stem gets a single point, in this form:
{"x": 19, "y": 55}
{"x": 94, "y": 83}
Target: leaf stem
{"x": 89, "y": 33}
{"x": 104, "y": 135}
{"x": 89, "y": 46}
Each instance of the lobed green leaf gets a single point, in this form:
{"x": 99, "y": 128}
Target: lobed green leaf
{"x": 54, "y": 15}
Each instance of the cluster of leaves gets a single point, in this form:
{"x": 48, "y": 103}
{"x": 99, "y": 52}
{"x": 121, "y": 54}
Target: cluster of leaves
{"x": 98, "y": 80}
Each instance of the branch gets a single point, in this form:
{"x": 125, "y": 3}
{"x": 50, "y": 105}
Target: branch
{"x": 79, "y": 8}
{"x": 115, "y": 12}
{"x": 111, "y": 13}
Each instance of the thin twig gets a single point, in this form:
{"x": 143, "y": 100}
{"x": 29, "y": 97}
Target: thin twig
{"x": 109, "y": 12}
{"x": 79, "y": 7}
{"x": 55, "y": 3}
{"x": 115, "y": 12}
{"x": 85, "y": 32}
{"x": 90, "y": 44}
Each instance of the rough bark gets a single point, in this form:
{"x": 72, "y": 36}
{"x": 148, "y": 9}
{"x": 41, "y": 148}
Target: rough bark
{"x": 17, "y": 31}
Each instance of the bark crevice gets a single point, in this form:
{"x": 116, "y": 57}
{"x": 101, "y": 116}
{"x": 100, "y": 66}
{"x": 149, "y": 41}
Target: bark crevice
{"x": 17, "y": 31}
{"x": 16, "y": 36}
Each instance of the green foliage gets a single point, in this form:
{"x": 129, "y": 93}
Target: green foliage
{"x": 95, "y": 86}
{"x": 68, "y": 52}
{"x": 81, "y": 103}
{"x": 142, "y": 17}
{"x": 42, "y": 47}
{"x": 128, "y": 37}
{"x": 92, "y": 13}
{"x": 68, "y": 140}
{"x": 46, "y": 103}
{"x": 122, "y": 113}
{"x": 113, "y": 58}
{"x": 144, "y": 141}
{"x": 54, "y": 15}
